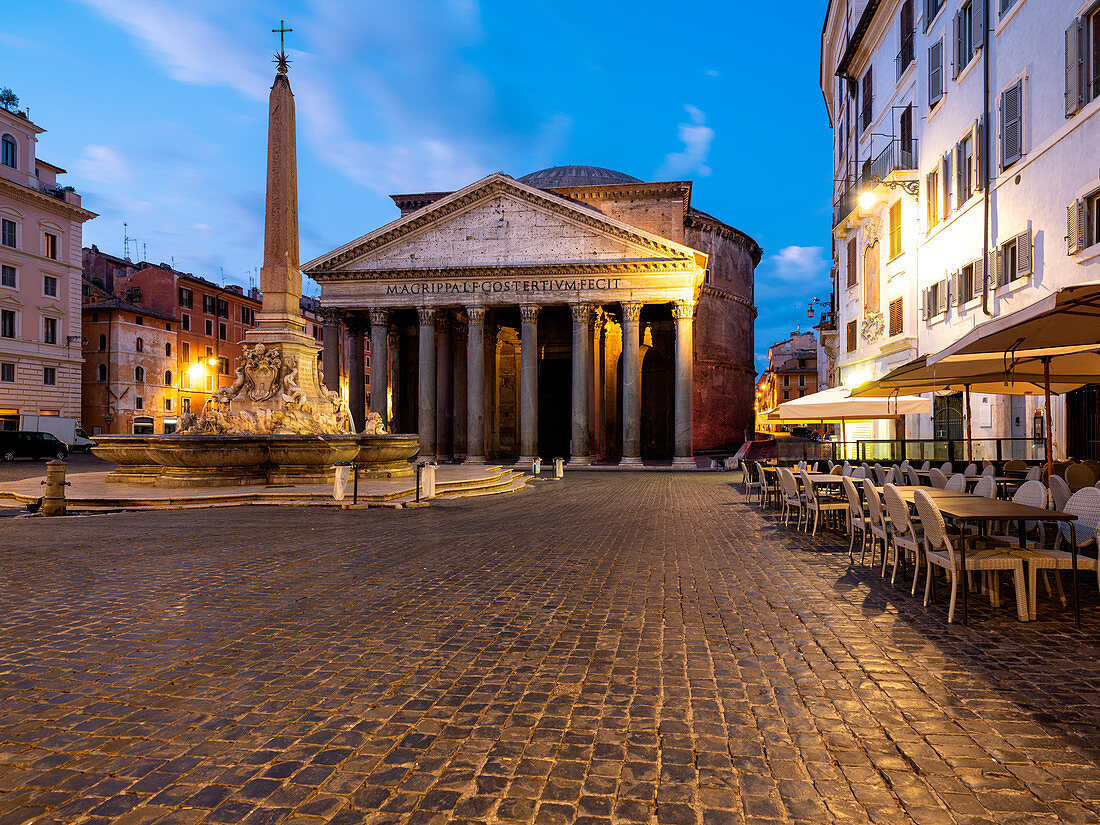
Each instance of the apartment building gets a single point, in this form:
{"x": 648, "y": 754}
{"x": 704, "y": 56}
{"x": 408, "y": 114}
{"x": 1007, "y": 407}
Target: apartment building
{"x": 967, "y": 180}
{"x": 41, "y": 225}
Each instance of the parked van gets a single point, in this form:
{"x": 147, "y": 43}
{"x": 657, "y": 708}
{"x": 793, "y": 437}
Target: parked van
{"x": 21, "y": 444}
{"x": 60, "y": 427}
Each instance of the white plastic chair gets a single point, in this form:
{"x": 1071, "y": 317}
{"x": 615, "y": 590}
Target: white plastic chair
{"x": 938, "y": 479}
{"x": 791, "y": 497}
{"x": 1059, "y": 492}
{"x": 986, "y": 487}
{"x": 857, "y": 520}
{"x": 957, "y": 483}
{"x": 904, "y": 534}
{"x": 816, "y": 505}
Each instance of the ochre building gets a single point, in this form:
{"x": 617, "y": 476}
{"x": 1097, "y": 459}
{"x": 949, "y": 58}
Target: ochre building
{"x": 575, "y": 312}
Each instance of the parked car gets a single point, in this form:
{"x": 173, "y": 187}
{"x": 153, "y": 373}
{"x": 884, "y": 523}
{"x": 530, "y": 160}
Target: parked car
{"x": 22, "y": 444}
{"x": 808, "y": 433}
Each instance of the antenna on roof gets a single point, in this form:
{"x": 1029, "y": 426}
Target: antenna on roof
{"x": 125, "y": 241}
{"x": 144, "y": 251}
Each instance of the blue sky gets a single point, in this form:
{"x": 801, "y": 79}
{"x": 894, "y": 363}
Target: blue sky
{"x": 158, "y": 110}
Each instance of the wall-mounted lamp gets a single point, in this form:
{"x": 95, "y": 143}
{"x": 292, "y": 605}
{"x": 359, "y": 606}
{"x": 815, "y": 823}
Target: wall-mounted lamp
{"x": 818, "y": 303}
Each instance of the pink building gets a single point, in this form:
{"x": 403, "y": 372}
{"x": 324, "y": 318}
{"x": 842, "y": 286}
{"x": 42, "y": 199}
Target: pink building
{"x": 40, "y": 243}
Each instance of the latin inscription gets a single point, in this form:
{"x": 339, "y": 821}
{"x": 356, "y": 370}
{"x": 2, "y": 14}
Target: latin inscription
{"x": 493, "y": 287}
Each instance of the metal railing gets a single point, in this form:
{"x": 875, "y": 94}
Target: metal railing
{"x": 895, "y": 156}
{"x": 915, "y": 450}
{"x": 906, "y": 55}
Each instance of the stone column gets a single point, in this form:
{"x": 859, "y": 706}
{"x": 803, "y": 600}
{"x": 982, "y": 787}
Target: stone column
{"x": 458, "y": 351}
{"x": 683, "y": 311}
{"x": 632, "y": 385}
{"x": 475, "y": 387}
{"x": 582, "y": 362}
{"x": 379, "y": 364}
{"x": 357, "y": 390}
{"x": 425, "y": 416}
{"x": 492, "y": 391}
{"x": 444, "y": 382}
{"x": 529, "y": 384}
{"x": 330, "y": 360}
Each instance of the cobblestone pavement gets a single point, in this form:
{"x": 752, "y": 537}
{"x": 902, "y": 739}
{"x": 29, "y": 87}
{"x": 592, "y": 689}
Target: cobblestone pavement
{"x": 628, "y": 648}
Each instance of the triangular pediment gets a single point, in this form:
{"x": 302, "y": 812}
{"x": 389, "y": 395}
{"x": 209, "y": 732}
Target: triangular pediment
{"x": 499, "y": 222}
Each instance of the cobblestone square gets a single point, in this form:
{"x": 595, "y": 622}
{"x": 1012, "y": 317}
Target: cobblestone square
{"x": 612, "y": 648}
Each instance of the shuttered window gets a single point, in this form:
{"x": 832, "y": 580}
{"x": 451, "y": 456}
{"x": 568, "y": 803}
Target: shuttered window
{"x": 896, "y": 319}
{"x": 932, "y": 197}
{"x": 1083, "y": 60}
{"x": 1012, "y": 123}
{"x": 851, "y": 336}
{"x": 1076, "y": 227}
{"x": 935, "y": 73}
{"x": 853, "y": 262}
{"x": 895, "y": 230}
{"x": 868, "y": 99}
{"x": 931, "y": 9}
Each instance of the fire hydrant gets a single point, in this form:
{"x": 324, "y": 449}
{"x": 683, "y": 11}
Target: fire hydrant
{"x": 53, "y": 504}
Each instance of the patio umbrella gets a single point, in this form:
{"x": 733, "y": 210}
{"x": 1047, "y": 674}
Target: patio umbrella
{"x": 836, "y": 404}
{"x": 1058, "y": 335}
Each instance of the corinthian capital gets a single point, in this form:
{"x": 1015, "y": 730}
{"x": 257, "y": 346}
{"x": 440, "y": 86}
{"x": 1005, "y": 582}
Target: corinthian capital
{"x": 581, "y": 312}
{"x": 476, "y": 315}
{"x": 379, "y": 317}
{"x": 632, "y": 310}
{"x": 683, "y": 309}
{"x": 427, "y": 315}
{"x": 529, "y": 313}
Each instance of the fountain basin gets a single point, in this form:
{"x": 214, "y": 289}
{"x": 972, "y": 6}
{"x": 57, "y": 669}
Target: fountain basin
{"x": 232, "y": 460}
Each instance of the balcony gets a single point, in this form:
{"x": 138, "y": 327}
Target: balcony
{"x": 905, "y": 56}
{"x": 897, "y": 156}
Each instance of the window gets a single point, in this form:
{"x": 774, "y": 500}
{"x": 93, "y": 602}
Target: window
{"x": 139, "y": 344}
{"x": 221, "y": 331}
{"x": 185, "y": 352}
{"x": 853, "y": 262}
{"x": 964, "y": 169}
{"x": 7, "y": 155}
{"x": 168, "y": 405}
{"x": 851, "y": 336}
{"x": 786, "y": 380}
{"x": 143, "y": 425}
{"x": 49, "y": 331}
{"x": 49, "y": 376}
{"x": 209, "y": 383}
{"x": 139, "y": 375}
{"x": 967, "y": 32}
{"x": 185, "y": 321}
{"x": 967, "y": 283}
{"x": 186, "y": 297}
{"x": 867, "y": 100}
{"x": 7, "y": 373}
{"x": 101, "y": 372}
{"x": 102, "y": 342}
{"x": 168, "y": 350}
{"x": 1083, "y": 60}
{"x": 223, "y": 308}
{"x": 1092, "y": 219}
{"x": 7, "y": 232}
{"x": 49, "y": 286}
{"x": 185, "y": 381}
{"x": 248, "y": 316}
{"x": 7, "y": 275}
{"x": 139, "y": 320}
{"x": 931, "y": 9}
{"x": 139, "y": 403}
{"x": 1014, "y": 259}
{"x": 934, "y": 300}
{"x": 1012, "y": 133}
{"x": 896, "y": 318}
{"x": 168, "y": 378}
{"x": 932, "y": 197}
{"x": 209, "y": 327}
{"x": 223, "y": 366}
{"x": 49, "y": 245}
{"x": 905, "y": 29}
{"x": 895, "y": 230}
{"x": 1005, "y": 5}
{"x": 209, "y": 352}
{"x": 7, "y": 323}
{"x": 185, "y": 404}
{"x": 208, "y": 304}
{"x": 905, "y": 142}
{"x": 802, "y": 380}
{"x": 786, "y": 395}
{"x": 935, "y": 73}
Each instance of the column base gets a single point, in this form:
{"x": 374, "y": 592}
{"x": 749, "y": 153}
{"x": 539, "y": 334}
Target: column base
{"x": 422, "y": 457}
{"x": 474, "y": 459}
{"x": 630, "y": 461}
{"x": 527, "y": 461}
{"x": 580, "y": 461}
{"x": 684, "y": 462}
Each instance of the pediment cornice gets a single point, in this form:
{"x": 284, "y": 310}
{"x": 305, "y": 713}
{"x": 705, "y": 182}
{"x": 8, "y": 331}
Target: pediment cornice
{"x": 561, "y": 268}
{"x": 484, "y": 190}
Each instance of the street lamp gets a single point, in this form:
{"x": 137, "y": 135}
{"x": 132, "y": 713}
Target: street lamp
{"x": 819, "y": 303}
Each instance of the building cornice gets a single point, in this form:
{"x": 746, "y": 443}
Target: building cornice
{"x": 33, "y": 196}
{"x": 707, "y": 289}
{"x": 860, "y": 31}
{"x": 698, "y": 220}
{"x": 560, "y": 268}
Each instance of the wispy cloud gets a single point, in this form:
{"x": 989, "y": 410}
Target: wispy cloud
{"x": 795, "y": 264}
{"x": 103, "y": 164}
{"x": 696, "y": 137}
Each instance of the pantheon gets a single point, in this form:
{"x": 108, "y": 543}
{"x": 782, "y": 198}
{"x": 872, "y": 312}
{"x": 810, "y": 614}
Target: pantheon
{"x": 574, "y": 312}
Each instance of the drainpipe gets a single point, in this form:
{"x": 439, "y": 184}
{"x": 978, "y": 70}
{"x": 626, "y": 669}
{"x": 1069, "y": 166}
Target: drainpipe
{"x": 987, "y": 160}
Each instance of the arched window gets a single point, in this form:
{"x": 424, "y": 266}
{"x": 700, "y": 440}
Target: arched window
{"x": 139, "y": 374}
{"x": 168, "y": 378}
{"x": 139, "y": 345}
{"x": 102, "y": 342}
{"x": 102, "y": 372}
{"x": 7, "y": 154}
{"x": 168, "y": 349}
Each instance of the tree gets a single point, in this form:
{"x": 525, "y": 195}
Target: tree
{"x": 9, "y": 100}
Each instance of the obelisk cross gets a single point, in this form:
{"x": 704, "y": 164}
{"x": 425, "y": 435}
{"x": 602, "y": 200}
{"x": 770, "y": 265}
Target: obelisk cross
{"x": 280, "y": 57}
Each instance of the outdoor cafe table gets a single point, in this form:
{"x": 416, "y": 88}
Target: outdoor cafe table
{"x": 966, "y": 507}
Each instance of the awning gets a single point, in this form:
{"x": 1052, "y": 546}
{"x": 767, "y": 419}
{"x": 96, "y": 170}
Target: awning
{"x": 980, "y": 374}
{"x": 835, "y": 404}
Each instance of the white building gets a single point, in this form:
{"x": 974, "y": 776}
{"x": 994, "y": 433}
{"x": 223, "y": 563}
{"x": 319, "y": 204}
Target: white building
{"x": 40, "y": 240}
{"x": 966, "y": 138}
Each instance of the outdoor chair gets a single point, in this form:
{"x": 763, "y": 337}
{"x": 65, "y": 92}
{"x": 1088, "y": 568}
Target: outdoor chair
{"x": 880, "y": 475}
{"x": 877, "y": 523}
{"x": 818, "y": 505}
{"x": 914, "y": 479}
{"x": 945, "y": 468}
{"x": 1015, "y": 465}
{"x": 1085, "y": 504}
{"x": 1034, "y": 474}
{"x": 926, "y": 466}
{"x": 1059, "y": 492}
{"x": 847, "y": 469}
{"x": 1079, "y": 476}
{"x": 802, "y": 464}
{"x": 753, "y": 484}
{"x": 986, "y": 486}
{"x": 791, "y": 497}
{"x": 956, "y": 483}
{"x": 989, "y": 470}
{"x": 837, "y": 470}
{"x": 971, "y": 469}
{"x": 858, "y": 473}
{"x": 905, "y": 464}
{"x": 904, "y": 533}
{"x": 857, "y": 520}
{"x": 895, "y": 476}
{"x": 1034, "y": 494}
{"x": 938, "y": 479}
{"x": 940, "y": 552}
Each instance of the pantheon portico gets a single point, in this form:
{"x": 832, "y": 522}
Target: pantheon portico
{"x": 506, "y": 321}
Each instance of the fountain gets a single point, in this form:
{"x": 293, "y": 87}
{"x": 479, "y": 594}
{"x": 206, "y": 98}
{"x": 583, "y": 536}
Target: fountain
{"x": 277, "y": 423}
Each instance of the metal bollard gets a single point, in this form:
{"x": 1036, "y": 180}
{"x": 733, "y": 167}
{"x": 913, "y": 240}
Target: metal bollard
{"x": 536, "y": 466}
{"x": 559, "y": 467}
{"x": 53, "y": 504}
